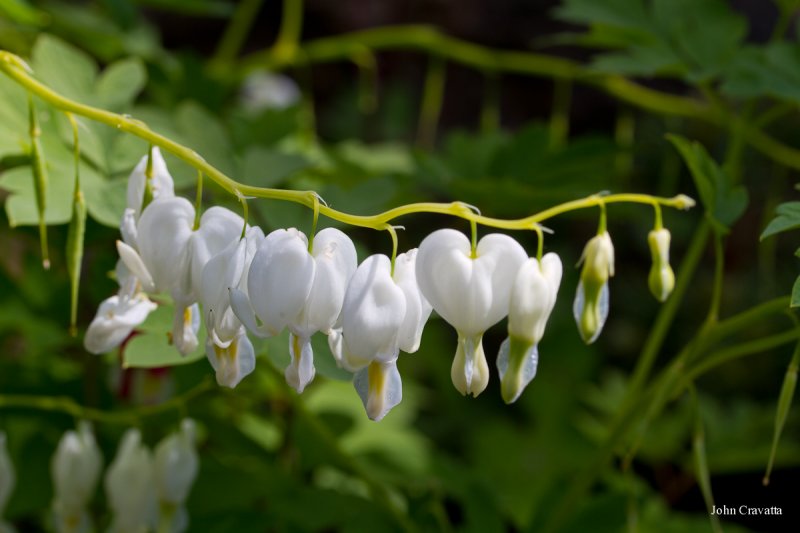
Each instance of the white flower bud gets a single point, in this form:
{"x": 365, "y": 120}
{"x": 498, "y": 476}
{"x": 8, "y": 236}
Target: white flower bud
{"x": 75, "y": 469}
{"x": 161, "y": 182}
{"x": 532, "y": 301}
{"x": 176, "y": 465}
{"x": 592, "y": 298}
{"x": 661, "y": 279}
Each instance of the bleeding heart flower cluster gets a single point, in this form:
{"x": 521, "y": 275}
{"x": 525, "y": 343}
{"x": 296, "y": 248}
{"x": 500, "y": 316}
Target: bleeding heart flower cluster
{"x": 262, "y": 284}
{"x": 144, "y": 489}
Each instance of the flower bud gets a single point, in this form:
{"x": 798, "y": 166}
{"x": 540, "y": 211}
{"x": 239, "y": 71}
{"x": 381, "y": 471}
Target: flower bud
{"x": 532, "y": 301}
{"x": 591, "y": 301}
{"x": 75, "y": 468}
{"x": 129, "y": 486}
{"x": 661, "y": 279}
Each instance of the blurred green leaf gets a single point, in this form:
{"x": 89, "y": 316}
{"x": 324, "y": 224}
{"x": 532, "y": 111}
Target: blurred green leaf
{"x": 723, "y": 201}
{"x": 265, "y": 167}
{"x": 787, "y": 218}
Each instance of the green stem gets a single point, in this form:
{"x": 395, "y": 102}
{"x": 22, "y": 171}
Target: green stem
{"x": 66, "y": 405}
{"x": 286, "y": 46}
{"x": 490, "y": 107}
{"x": 782, "y": 410}
{"x": 236, "y": 32}
{"x": 198, "y": 201}
{"x": 432, "y": 97}
{"x": 559, "y": 117}
{"x": 10, "y": 65}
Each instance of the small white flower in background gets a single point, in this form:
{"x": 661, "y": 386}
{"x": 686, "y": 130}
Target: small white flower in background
{"x": 75, "y": 469}
{"x": 129, "y": 486}
{"x": 288, "y": 286}
{"x": 228, "y": 349}
{"x": 592, "y": 298}
{"x": 470, "y": 293}
{"x": 8, "y": 480}
{"x": 382, "y": 314}
{"x": 532, "y": 300}
{"x": 176, "y": 466}
{"x": 661, "y": 279}
{"x": 161, "y": 183}
{"x": 266, "y": 90}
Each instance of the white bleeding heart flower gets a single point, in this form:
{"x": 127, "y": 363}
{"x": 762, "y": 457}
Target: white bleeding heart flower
{"x": 75, "y": 469}
{"x": 176, "y": 464}
{"x": 592, "y": 297}
{"x": 129, "y": 485}
{"x": 532, "y": 300}
{"x": 471, "y": 292}
{"x": 290, "y": 286}
{"x": 171, "y": 255}
{"x": 381, "y": 315}
{"x": 161, "y": 183}
{"x": 661, "y": 279}
{"x": 116, "y": 318}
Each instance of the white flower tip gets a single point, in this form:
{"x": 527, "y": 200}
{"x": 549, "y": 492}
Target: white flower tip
{"x": 301, "y": 369}
{"x": 380, "y": 388}
{"x": 470, "y": 371}
{"x": 232, "y": 363}
{"x": 516, "y": 364}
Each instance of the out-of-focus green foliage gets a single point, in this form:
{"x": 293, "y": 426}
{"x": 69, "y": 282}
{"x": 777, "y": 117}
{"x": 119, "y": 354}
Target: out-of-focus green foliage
{"x": 275, "y": 461}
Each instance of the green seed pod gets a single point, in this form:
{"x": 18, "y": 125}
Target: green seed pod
{"x": 74, "y": 254}
{"x": 39, "y": 168}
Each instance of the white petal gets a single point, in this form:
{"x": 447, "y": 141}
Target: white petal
{"x": 240, "y": 304}
{"x": 234, "y": 363}
{"x": 219, "y": 227}
{"x": 133, "y": 262}
{"x": 380, "y": 388}
{"x": 76, "y": 468}
{"x": 335, "y": 258}
{"x": 176, "y": 464}
{"x": 185, "y": 327}
{"x": 533, "y": 297}
{"x": 418, "y": 310}
{"x": 221, "y": 273}
{"x": 373, "y": 311}
{"x": 161, "y": 182}
{"x": 164, "y": 231}
{"x": 115, "y": 320}
{"x": 129, "y": 484}
{"x": 471, "y": 294}
{"x": 280, "y": 279}
{"x": 127, "y": 227}
{"x": 301, "y": 370}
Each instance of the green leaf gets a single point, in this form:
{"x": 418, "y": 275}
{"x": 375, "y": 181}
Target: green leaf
{"x": 724, "y": 203}
{"x": 266, "y": 167}
{"x": 152, "y": 349}
{"x": 788, "y": 218}
{"x": 795, "y": 293}
{"x": 14, "y": 137}
{"x": 64, "y": 68}
{"x": 120, "y": 83}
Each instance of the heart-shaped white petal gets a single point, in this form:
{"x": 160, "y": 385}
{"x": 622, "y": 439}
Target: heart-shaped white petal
{"x": 279, "y": 281}
{"x": 164, "y": 231}
{"x": 534, "y": 295}
{"x": 470, "y": 293}
{"x": 373, "y": 311}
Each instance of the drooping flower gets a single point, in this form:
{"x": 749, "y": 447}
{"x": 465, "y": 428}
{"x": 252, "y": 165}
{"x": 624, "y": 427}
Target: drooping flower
{"x": 532, "y": 300}
{"x": 290, "y": 286}
{"x": 75, "y": 469}
{"x": 8, "y": 480}
{"x": 129, "y": 486}
{"x": 382, "y": 314}
{"x": 592, "y": 298}
{"x": 470, "y": 291}
{"x": 116, "y": 318}
{"x": 176, "y": 466}
{"x": 228, "y": 349}
{"x": 661, "y": 279}
{"x": 171, "y": 255}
